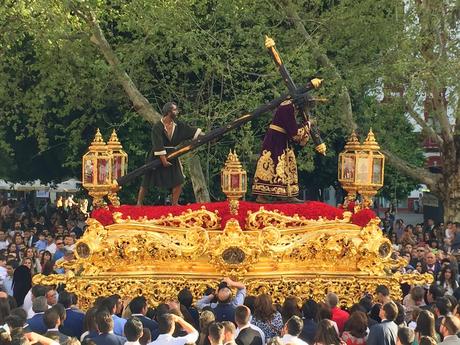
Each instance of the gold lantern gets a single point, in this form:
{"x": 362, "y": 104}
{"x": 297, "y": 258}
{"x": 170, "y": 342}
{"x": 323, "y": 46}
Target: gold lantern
{"x": 119, "y": 166}
{"x": 361, "y": 168}
{"x": 97, "y": 170}
{"x": 233, "y": 180}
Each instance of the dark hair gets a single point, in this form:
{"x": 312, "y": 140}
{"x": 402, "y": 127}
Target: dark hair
{"x": 167, "y": 108}
{"x": 443, "y": 305}
{"x": 324, "y": 312}
{"x": 250, "y": 301}
{"x": 326, "y": 333}
{"x": 425, "y": 324}
{"x": 162, "y": 309}
{"x": 442, "y": 276}
{"x": 435, "y": 291}
{"x": 165, "y": 323}
{"x": 294, "y": 325}
{"x": 104, "y": 321}
{"x": 39, "y": 290}
{"x": 89, "y": 322}
{"x": 51, "y": 318}
{"x": 4, "y": 310}
{"x": 216, "y": 331}
{"x": 406, "y": 335}
{"x": 65, "y": 299}
{"x": 185, "y": 297}
{"x": 242, "y": 315}
{"x": 366, "y": 303}
{"x": 391, "y": 311}
{"x": 357, "y": 324}
{"x": 133, "y": 329}
{"x": 399, "y": 320}
{"x": 137, "y": 304}
{"x": 109, "y": 304}
{"x": 309, "y": 309}
{"x": 264, "y": 310}
{"x": 383, "y": 290}
{"x": 290, "y": 308}
{"x": 61, "y": 311}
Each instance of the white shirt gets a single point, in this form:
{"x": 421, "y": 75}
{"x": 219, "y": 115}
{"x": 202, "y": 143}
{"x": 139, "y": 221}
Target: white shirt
{"x": 51, "y": 248}
{"x": 290, "y": 339}
{"x": 255, "y": 328}
{"x": 27, "y": 306}
{"x": 132, "y": 343}
{"x": 164, "y": 339}
{"x": 4, "y": 244}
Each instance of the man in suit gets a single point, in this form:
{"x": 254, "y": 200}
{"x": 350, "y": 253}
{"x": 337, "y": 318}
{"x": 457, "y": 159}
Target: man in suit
{"x": 432, "y": 264}
{"x": 442, "y": 307}
{"x": 450, "y": 326}
{"x": 245, "y": 335}
{"x": 105, "y": 325}
{"x": 39, "y": 306}
{"x": 73, "y": 324}
{"x": 138, "y": 307}
{"x": 386, "y": 332}
{"x": 52, "y": 322}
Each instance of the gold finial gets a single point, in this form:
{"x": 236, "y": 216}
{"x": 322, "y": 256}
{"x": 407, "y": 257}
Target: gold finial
{"x": 113, "y": 142}
{"x": 114, "y": 138}
{"x": 269, "y": 42}
{"x": 370, "y": 141}
{"x": 321, "y": 149}
{"x": 232, "y": 160}
{"x": 353, "y": 142}
{"x": 98, "y": 141}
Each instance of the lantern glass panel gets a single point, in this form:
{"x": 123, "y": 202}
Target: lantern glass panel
{"x": 377, "y": 170}
{"x": 235, "y": 182}
{"x": 348, "y": 168}
{"x": 362, "y": 167}
{"x": 116, "y": 168}
{"x": 88, "y": 174}
{"x": 103, "y": 171}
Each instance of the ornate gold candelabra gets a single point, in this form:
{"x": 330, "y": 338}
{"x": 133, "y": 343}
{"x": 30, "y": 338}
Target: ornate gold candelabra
{"x": 233, "y": 181}
{"x": 361, "y": 169}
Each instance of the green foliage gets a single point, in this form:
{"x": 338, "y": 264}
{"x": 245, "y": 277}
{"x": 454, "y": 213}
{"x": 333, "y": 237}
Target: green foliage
{"x": 56, "y": 88}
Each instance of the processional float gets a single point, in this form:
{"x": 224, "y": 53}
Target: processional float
{"x": 305, "y": 250}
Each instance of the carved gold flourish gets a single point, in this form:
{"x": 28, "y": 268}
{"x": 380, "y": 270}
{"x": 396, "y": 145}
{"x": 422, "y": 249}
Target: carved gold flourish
{"x": 198, "y": 218}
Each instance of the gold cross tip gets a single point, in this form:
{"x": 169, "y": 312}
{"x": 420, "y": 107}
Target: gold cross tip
{"x": 316, "y": 82}
{"x": 269, "y": 42}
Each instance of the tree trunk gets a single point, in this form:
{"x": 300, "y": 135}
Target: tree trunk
{"x": 200, "y": 188}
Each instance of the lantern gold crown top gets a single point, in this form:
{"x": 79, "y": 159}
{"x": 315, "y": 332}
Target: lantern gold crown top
{"x": 232, "y": 161}
{"x": 353, "y": 142}
{"x": 98, "y": 142}
{"x": 113, "y": 142}
{"x": 370, "y": 143}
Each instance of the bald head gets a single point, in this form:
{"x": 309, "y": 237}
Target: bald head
{"x": 224, "y": 295}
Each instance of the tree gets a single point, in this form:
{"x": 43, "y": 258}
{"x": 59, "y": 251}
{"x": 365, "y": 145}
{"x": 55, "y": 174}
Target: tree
{"x": 412, "y": 61}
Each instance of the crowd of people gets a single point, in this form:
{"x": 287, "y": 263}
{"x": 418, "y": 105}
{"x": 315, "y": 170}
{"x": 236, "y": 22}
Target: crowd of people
{"x": 35, "y": 240}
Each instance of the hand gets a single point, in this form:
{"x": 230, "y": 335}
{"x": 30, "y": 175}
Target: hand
{"x": 228, "y": 281}
{"x": 316, "y": 82}
{"x": 166, "y": 164}
{"x": 32, "y": 337}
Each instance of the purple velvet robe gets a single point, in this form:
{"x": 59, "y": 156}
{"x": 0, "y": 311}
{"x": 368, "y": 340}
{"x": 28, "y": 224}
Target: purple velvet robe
{"x": 276, "y": 172}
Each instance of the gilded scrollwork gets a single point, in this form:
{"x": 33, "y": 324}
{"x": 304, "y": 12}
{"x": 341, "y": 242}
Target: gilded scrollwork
{"x": 282, "y": 254}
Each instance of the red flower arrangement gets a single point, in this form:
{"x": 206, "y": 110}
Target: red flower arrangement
{"x": 309, "y": 210}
